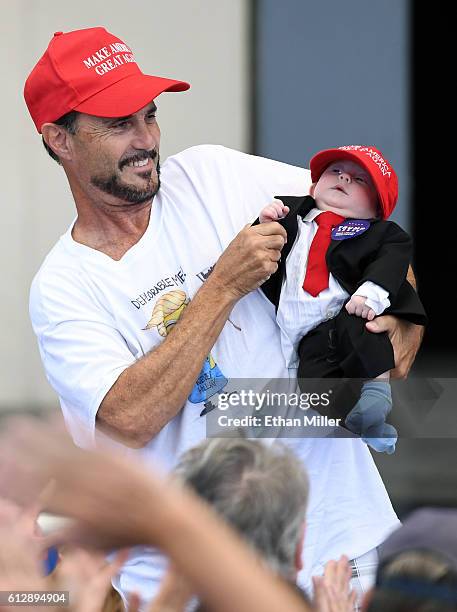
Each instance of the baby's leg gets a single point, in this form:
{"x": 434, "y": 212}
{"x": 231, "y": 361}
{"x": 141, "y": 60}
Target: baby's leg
{"x": 368, "y": 417}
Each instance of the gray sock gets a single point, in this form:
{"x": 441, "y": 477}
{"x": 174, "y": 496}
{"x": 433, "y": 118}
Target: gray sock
{"x": 371, "y": 410}
{"x": 368, "y": 417}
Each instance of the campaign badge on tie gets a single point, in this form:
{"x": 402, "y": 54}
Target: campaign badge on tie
{"x": 350, "y": 228}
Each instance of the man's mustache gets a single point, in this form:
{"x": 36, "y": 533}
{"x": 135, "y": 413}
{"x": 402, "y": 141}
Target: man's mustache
{"x": 138, "y": 156}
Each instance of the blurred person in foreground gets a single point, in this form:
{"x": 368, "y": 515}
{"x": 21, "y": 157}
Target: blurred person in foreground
{"x": 131, "y": 307}
{"x": 418, "y": 565}
{"x": 115, "y": 502}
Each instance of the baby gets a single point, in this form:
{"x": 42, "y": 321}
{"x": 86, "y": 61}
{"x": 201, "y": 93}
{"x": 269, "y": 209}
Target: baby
{"x": 341, "y": 251}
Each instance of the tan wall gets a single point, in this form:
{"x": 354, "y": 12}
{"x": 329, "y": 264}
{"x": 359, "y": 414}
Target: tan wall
{"x": 202, "y": 41}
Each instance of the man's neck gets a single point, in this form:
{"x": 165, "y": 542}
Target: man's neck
{"x": 104, "y": 222}
{"x": 112, "y": 233}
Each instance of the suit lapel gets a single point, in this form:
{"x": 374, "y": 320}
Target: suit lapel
{"x": 298, "y": 206}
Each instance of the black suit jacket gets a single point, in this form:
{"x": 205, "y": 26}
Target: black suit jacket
{"x": 381, "y": 254}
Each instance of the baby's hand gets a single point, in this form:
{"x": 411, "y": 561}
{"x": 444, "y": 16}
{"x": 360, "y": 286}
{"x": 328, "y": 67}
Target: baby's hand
{"x": 356, "y": 305}
{"x": 274, "y": 211}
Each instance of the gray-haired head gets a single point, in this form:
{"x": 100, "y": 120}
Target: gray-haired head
{"x": 260, "y": 490}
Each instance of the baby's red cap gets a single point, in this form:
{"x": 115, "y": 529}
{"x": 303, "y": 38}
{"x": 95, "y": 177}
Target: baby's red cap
{"x": 370, "y": 158}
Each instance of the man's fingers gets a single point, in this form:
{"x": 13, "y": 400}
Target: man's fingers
{"x": 119, "y": 560}
{"x": 31, "y": 512}
{"x": 271, "y": 242}
{"x": 266, "y": 236}
{"x": 343, "y": 574}
{"x": 321, "y": 603}
{"x": 76, "y": 535}
{"x": 351, "y": 600}
{"x": 134, "y": 602}
{"x": 381, "y": 324}
{"x": 270, "y": 229}
{"x": 274, "y": 255}
{"x": 56, "y": 538}
{"x": 330, "y": 570}
{"x": 103, "y": 576}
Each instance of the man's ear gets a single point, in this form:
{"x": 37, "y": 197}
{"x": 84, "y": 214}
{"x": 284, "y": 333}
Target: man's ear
{"x": 312, "y": 188}
{"x": 299, "y": 549}
{"x": 58, "y": 139}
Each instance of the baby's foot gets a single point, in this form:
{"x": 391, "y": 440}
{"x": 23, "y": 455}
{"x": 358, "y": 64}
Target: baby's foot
{"x": 371, "y": 410}
{"x": 382, "y": 441}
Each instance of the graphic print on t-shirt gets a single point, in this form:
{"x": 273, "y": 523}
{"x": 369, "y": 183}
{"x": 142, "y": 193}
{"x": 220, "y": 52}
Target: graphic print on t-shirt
{"x": 165, "y": 315}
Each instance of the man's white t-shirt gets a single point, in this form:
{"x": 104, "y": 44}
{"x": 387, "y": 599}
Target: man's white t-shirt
{"x": 94, "y": 317}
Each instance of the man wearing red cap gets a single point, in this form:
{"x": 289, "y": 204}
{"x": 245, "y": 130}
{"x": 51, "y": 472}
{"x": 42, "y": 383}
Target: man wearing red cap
{"x": 152, "y": 247}
{"x": 345, "y": 253}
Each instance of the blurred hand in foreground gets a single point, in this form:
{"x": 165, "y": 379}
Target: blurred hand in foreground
{"x": 115, "y": 502}
{"x": 331, "y": 591}
{"x": 87, "y": 576}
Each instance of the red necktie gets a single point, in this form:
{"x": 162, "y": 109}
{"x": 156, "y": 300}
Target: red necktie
{"x": 316, "y": 278}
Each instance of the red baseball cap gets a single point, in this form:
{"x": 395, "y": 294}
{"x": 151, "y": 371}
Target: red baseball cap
{"x": 91, "y": 71}
{"x": 375, "y": 164}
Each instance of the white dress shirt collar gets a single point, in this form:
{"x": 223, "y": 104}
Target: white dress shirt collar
{"x": 312, "y": 215}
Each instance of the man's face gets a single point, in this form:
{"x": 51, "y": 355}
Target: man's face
{"x": 346, "y": 188}
{"x": 119, "y": 156}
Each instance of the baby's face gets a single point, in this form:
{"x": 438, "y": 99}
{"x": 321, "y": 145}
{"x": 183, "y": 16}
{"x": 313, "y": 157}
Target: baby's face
{"x": 347, "y": 189}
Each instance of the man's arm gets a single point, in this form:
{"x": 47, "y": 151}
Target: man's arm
{"x": 411, "y": 278}
{"x": 153, "y": 390}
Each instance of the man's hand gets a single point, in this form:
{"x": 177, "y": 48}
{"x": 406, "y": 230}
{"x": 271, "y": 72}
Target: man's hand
{"x": 331, "y": 591}
{"x": 174, "y": 595}
{"x": 405, "y": 337}
{"x": 250, "y": 259}
{"x": 87, "y": 576}
{"x": 274, "y": 211}
{"x": 357, "y": 306}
